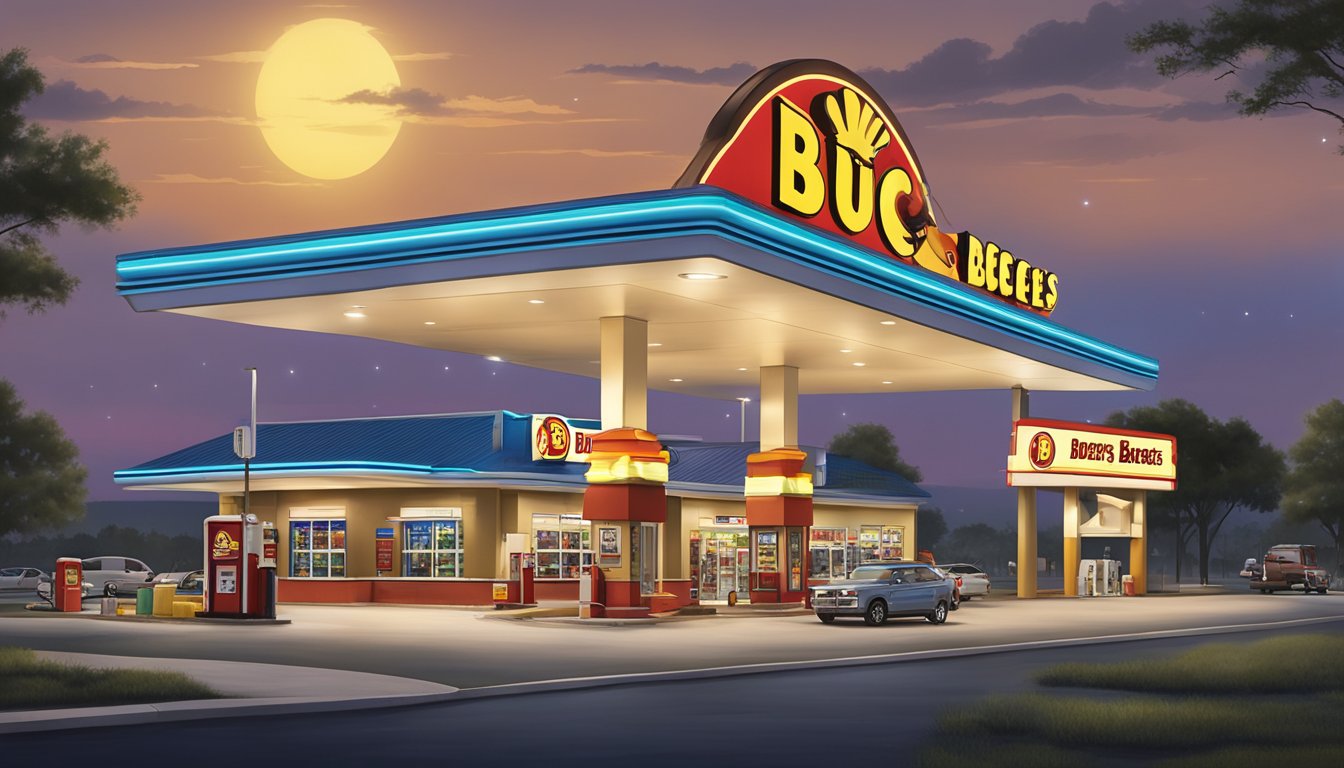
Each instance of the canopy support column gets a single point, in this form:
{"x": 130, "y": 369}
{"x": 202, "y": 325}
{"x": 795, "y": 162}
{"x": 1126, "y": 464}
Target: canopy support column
{"x": 1026, "y": 514}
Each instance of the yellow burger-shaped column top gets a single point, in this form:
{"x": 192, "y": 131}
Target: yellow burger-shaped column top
{"x": 778, "y": 472}
{"x": 627, "y": 455}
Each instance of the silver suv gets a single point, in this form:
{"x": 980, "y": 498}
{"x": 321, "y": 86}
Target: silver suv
{"x": 877, "y": 591}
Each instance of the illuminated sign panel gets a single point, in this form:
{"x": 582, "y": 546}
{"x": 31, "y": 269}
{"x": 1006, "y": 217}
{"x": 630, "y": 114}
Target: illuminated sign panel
{"x": 812, "y": 140}
{"x": 1067, "y": 453}
{"x": 554, "y": 438}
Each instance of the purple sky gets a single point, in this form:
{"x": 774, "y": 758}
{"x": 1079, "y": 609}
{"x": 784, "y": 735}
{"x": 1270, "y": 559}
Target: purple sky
{"x": 1179, "y": 230}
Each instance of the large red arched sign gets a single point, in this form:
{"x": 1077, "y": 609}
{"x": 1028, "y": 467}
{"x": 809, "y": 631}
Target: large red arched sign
{"x": 812, "y": 140}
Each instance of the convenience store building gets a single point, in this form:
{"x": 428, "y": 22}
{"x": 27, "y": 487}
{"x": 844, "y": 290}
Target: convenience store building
{"x": 799, "y": 253}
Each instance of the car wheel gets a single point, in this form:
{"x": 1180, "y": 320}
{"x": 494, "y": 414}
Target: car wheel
{"x": 876, "y": 613}
{"x": 939, "y": 613}
{"x": 1323, "y": 590}
{"x": 109, "y": 589}
{"x": 965, "y": 598}
{"x": 826, "y": 618}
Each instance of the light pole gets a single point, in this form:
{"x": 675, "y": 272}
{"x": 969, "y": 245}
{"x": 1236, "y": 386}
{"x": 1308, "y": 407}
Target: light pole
{"x": 743, "y": 417}
{"x": 247, "y": 491}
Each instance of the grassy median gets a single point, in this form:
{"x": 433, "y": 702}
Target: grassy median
{"x": 1217, "y": 705}
{"x": 29, "y": 682}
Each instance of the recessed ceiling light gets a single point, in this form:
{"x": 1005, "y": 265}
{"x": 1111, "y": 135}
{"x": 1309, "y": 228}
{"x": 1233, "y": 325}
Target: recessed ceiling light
{"x": 676, "y": 380}
{"x": 430, "y": 322}
{"x": 495, "y": 359}
{"x": 655, "y": 344}
{"x": 355, "y": 313}
{"x": 858, "y": 365}
{"x": 701, "y": 276}
{"x": 846, "y": 350}
{"x": 887, "y": 322}
{"x": 886, "y": 381}
{"x": 741, "y": 369}
{"x": 536, "y": 301}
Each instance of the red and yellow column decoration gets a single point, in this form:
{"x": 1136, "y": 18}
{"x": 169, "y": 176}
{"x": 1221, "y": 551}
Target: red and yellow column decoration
{"x": 627, "y": 472}
{"x": 779, "y": 513}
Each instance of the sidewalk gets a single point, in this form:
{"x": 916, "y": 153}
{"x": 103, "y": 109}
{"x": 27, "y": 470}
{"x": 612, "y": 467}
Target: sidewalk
{"x": 251, "y": 690}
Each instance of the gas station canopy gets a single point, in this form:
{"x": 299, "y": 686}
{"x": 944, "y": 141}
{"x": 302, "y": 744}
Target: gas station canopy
{"x": 726, "y": 288}
{"x": 802, "y": 234}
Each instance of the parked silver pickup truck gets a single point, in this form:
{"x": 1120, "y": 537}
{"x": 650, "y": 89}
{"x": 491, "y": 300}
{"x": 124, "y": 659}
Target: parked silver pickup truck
{"x": 876, "y": 591}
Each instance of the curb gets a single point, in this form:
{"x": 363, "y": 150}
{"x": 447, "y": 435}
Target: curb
{"x": 98, "y": 717}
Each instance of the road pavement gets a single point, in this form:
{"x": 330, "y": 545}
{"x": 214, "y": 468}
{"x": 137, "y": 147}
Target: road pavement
{"x": 845, "y": 715}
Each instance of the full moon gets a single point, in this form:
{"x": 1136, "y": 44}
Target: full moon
{"x": 316, "y": 99}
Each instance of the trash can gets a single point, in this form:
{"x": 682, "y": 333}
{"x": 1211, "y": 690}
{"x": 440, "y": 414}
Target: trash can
{"x": 108, "y": 606}
{"x": 1127, "y": 584}
{"x": 144, "y": 601}
{"x": 164, "y": 595}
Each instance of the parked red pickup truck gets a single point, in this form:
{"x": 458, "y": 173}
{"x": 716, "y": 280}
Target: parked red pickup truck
{"x": 1288, "y": 566}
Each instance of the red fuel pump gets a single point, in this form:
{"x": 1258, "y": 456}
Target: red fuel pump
{"x": 235, "y": 588}
{"x": 67, "y": 584}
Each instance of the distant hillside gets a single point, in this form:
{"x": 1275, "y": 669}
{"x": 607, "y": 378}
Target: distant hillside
{"x": 171, "y": 518}
{"x": 997, "y": 507}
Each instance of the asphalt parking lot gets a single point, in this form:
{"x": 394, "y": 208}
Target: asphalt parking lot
{"x": 472, "y": 648}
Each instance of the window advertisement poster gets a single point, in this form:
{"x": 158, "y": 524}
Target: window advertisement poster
{"x": 767, "y": 551}
{"x": 384, "y": 550}
{"x": 608, "y": 545}
{"x": 795, "y": 559}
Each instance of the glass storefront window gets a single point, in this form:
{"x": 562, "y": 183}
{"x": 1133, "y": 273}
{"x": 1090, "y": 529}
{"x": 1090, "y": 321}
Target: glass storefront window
{"x": 563, "y": 544}
{"x": 881, "y": 542}
{"x": 316, "y": 548}
{"x": 432, "y": 548}
{"x": 828, "y": 559}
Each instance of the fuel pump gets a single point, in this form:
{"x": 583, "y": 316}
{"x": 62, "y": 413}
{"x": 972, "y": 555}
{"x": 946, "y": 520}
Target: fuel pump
{"x": 236, "y": 587}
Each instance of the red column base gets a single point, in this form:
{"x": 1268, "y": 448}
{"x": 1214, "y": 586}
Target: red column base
{"x": 621, "y": 600}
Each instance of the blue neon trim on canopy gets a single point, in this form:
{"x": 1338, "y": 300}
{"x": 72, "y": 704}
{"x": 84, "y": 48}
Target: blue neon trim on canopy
{"x": 626, "y": 218}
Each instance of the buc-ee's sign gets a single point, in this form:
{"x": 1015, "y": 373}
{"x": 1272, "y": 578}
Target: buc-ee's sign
{"x": 1045, "y": 447}
{"x": 554, "y": 438}
{"x": 813, "y": 140}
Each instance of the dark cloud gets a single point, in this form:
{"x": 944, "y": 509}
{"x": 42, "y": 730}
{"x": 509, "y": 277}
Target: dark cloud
{"x": 415, "y": 101}
{"x": 1202, "y": 111}
{"x": 63, "y": 100}
{"x": 1056, "y": 105}
{"x": 1090, "y": 53}
{"x": 730, "y": 75}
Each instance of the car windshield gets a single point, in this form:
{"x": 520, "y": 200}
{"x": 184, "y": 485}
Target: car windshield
{"x": 871, "y": 573}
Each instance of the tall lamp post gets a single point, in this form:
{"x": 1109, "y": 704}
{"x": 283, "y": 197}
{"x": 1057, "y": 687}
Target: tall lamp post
{"x": 247, "y": 490}
{"x": 743, "y": 417}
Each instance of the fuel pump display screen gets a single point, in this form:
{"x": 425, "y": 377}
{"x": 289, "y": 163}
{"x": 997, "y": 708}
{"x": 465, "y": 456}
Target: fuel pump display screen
{"x": 226, "y": 579}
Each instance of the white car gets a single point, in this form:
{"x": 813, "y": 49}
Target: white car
{"x": 44, "y": 589}
{"x": 102, "y": 571}
{"x": 974, "y": 581}
{"x": 25, "y": 579}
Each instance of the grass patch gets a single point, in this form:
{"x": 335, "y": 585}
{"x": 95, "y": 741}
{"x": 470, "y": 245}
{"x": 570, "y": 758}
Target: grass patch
{"x": 1320, "y": 755}
{"x": 1298, "y": 664}
{"x": 1275, "y": 701}
{"x": 1143, "y": 722}
{"x": 29, "y": 682}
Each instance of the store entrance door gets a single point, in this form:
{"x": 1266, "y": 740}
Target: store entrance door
{"x": 724, "y": 569}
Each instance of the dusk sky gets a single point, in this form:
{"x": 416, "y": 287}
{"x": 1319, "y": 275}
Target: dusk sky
{"x": 1178, "y": 228}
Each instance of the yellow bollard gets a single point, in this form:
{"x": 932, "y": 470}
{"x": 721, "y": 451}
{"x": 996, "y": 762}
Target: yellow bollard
{"x": 164, "y": 594}
{"x": 184, "y": 610}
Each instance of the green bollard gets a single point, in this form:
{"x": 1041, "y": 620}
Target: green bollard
{"x": 144, "y": 601}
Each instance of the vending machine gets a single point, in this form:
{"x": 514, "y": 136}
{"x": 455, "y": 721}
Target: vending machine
{"x": 239, "y": 586}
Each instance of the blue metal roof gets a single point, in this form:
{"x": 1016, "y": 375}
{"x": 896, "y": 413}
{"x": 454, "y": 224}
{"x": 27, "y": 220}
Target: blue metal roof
{"x": 491, "y": 446}
{"x": 573, "y": 235}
